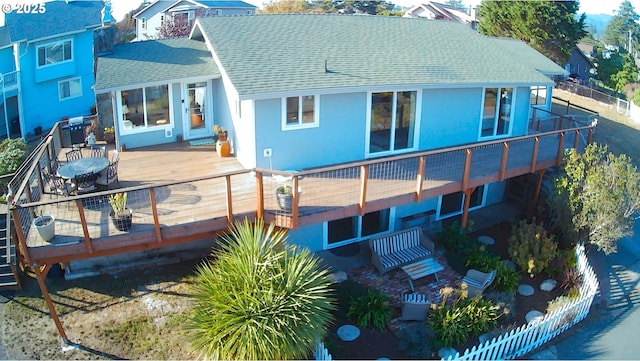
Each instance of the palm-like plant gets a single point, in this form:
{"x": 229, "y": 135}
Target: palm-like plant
{"x": 260, "y": 299}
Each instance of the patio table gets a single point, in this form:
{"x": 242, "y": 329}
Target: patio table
{"x": 80, "y": 166}
{"x": 421, "y": 269}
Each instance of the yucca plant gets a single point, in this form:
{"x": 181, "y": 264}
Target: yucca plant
{"x": 260, "y": 299}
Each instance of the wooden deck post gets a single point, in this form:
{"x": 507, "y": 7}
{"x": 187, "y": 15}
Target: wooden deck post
{"x": 364, "y": 178}
{"x": 47, "y": 298}
{"x": 260, "y": 195}
{"x": 590, "y": 136}
{"x": 294, "y": 205}
{"x": 536, "y": 195}
{"x": 154, "y": 212}
{"x": 85, "y": 229}
{"x": 576, "y": 140}
{"x": 467, "y": 169}
{"x": 227, "y": 183}
{"x": 560, "y": 149}
{"x": 420, "y": 177}
{"x": 22, "y": 242}
{"x": 465, "y": 209}
{"x": 503, "y": 164}
{"x": 534, "y": 156}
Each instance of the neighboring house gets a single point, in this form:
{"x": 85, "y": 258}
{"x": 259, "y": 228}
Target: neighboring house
{"x": 149, "y": 19}
{"x": 302, "y": 91}
{"x": 437, "y": 11}
{"x": 47, "y": 63}
{"x": 579, "y": 66}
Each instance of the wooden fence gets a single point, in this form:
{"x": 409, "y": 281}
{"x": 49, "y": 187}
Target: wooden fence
{"x": 530, "y": 336}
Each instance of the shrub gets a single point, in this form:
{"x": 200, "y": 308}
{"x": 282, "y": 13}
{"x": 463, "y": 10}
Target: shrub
{"x": 571, "y": 282}
{"x": 565, "y": 259}
{"x": 531, "y": 247}
{"x": 506, "y": 280}
{"x": 12, "y": 153}
{"x": 454, "y": 238}
{"x": 505, "y": 301}
{"x": 453, "y": 324}
{"x": 411, "y": 340}
{"x": 371, "y": 308}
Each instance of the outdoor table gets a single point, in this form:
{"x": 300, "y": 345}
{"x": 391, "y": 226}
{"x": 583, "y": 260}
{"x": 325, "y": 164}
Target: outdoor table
{"x": 80, "y": 166}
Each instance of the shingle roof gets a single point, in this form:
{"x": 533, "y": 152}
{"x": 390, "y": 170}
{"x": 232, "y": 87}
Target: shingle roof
{"x": 59, "y": 17}
{"x": 226, "y": 4}
{"x": 523, "y": 53}
{"x": 154, "y": 61}
{"x": 279, "y": 53}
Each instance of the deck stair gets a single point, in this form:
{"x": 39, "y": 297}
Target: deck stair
{"x": 8, "y": 271}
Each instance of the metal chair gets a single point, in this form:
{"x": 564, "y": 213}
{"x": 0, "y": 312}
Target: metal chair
{"x": 74, "y": 154}
{"x": 415, "y": 307}
{"x": 478, "y": 281}
{"x": 85, "y": 183}
{"x": 99, "y": 152}
{"x": 108, "y": 176}
{"x": 54, "y": 165}
{"x": 115, "y": 156}
{"x": 59, "y": 186}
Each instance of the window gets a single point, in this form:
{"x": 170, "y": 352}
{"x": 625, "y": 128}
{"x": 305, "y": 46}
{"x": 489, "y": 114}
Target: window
{"x": 143, "y": 23}
{"x": 54, "y": 53}
{"x": 71, "y": 88}
{"x": 497, "y": 112}
{"x": 145, "y": 107}
{"x": 453, "y": 204}
{"x": 300, "y": 112}
{"x": 162, "y": 18}
{"x": 538, "y": 95}
{"x": 392, "y": 121}
{"x": 347, "y": 230}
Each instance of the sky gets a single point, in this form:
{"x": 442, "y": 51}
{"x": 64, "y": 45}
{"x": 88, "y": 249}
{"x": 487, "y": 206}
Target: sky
{"x": 121, "y": 7}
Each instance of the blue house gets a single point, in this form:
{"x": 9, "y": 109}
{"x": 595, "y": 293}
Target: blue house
{"x": 303, "y": 91}
{"x": 47, "y": 65}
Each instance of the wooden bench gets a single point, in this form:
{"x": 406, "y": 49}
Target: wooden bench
{"x": 398, "y": 249}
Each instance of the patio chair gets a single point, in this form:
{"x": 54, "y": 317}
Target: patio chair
{"x": 414, "y": 307}
{"x": 74, "y": 154}
{"x": 478, "y": 281}
{"x": 108, "y": 176}
{"x": 99, "y": 151}
{"x": 54, "y": 165}
{"x": 115, "y": 156}
{"x": 85, "y": 183}
{"x": 59, "y": 186}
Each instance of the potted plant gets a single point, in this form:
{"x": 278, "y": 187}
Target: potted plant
{"x": 223, "y": 148}
{"x": 121, "y": 216}
{"x": 110, "y": 135}
{"x": 284, "y": 196}
{"x": 46, "y": 226}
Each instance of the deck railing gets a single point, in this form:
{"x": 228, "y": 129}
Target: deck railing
{"x": 539, "y": 331}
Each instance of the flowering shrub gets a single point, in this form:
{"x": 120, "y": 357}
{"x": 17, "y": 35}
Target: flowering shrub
{"x": 12, "y": 153}
{"x": 531, "y": 247}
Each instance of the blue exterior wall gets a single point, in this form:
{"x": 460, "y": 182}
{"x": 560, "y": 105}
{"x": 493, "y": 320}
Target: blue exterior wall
{"x": 338, "y": 139}
{"x": 7, "y": 64}
{"x": 40, "y": 97}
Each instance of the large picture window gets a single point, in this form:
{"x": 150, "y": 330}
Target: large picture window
{"x": 352, "y": 229}
{"x": 497, "y": 112}
{"x": 54, "y": 53}
{"x": 300, "y": 112}
{"x": 145, "y": 107}
{"x": 392, "y": 121}
{"x": 453, "y": 204}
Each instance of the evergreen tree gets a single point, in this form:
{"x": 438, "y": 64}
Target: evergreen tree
{"x": 617, "y": 32}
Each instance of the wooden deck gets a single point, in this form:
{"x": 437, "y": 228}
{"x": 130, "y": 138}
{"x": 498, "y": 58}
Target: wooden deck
{"x": 181, "y": 193}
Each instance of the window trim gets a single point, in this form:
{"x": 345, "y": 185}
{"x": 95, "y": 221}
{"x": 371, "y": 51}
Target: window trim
{"x": 49, "y": 44}
{"x": 60, "y": 98}
{"x": 325, "y": 226}
{"x": 496, "y": 114}
{"x": 537, "y": 95}
{"x": 449, "y": 215}
{"x": 300, "y": 125}
{"x": 146, "y": 128}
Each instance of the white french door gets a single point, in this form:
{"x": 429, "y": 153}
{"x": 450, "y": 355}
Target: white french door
{"x": 197, "y": 112}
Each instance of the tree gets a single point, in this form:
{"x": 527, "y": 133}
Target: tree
{"x": 617, "y": 31}
{"x": 290, "y": 7}
{"x": 126, "y": 28}
{"x": 603, "y": 192}
{"x": 608, "y": 66}
{"x": 12, "y": 153}
{"x": 456, "y": 4}
{"x": 177, "y": 25}
{"x": 551, "y": 27}
{"x": 260, "y": 299}
{"x": 628, "y": 73}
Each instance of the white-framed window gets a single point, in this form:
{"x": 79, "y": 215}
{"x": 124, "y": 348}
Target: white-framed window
{"x": 143, "y": 23}
{"x": 145, "y": 109}
{"x": 497, "y": 112}
{"x": 450, "y": 205}
{"x": 55, "y": 53}
{"x": 70, "y": 88}
{"x": 300, "y": 112}
{"x": 539, "y": 95}
{"x": 392, "y": 121}
{"x": 352, "y": 229}
{"x": 218, "y": 12}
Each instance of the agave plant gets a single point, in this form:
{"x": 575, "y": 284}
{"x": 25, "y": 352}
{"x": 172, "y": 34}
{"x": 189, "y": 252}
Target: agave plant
{"x": 260, "y": 299}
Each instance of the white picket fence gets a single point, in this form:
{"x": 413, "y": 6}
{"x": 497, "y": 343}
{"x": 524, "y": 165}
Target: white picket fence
{"x": 539, "y": 331}
{"x": 530, "y": 336}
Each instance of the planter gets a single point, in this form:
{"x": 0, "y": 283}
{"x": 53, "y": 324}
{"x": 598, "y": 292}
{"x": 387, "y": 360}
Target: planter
{"x": 122, "y": 222}
{"x": 223, "y": 148}
{"x": 110, "y": 138}
{"x": 285, "y": 200}
{"x": 46, "y": 226}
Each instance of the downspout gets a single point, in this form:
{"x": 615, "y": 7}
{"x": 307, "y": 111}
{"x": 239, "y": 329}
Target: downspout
{"x": 17, "y": 56}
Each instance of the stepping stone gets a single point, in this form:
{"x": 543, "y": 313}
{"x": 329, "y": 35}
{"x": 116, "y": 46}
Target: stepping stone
{"x": 509, "y": 264}
{"x": 484, "y": 338}
{"x": 348, "y": 332}
{"x": 486, "y": 240}
{"x": 525, "y": 290}
{"x": 548, "y": 285}
{"x": 532, "y": 315}
{"x": 447, "y": 352}
{"x": 338, "y": 277}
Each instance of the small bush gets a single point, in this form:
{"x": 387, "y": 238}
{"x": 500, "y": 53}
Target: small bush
{"x": 571, "y": 282}
{"x": 371, "y": 308}
{"x": 12, "y": 153}
{"x": 565, "y": 259}
{"x": 454, "y": 238}
{"x": 506, "y": 280}
{"x": 531, "y": 247}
